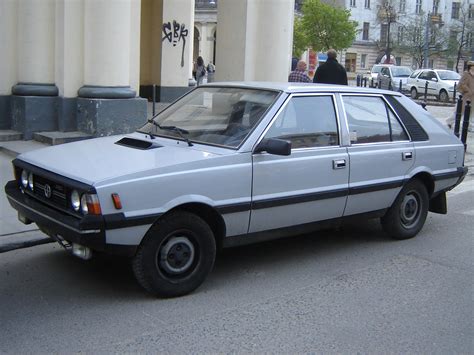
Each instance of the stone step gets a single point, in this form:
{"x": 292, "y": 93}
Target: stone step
{"x": 8, "y": 136}
{"x": 56, "y": 137}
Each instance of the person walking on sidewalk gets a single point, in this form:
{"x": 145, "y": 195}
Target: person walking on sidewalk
{"x": 299, "y": 74}
{"x": 331, "y": 72}
{"x": 199, "y": 70}
{"x": 466, "y": 88}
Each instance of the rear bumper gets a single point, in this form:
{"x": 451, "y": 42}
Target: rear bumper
{"x": 88, "y": 231}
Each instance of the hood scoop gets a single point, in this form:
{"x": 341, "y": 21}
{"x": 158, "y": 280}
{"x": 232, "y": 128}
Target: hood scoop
{"x": 137, "y": 143}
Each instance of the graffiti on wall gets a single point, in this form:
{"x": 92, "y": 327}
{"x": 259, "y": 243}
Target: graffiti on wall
{"x": 175, "y": 33}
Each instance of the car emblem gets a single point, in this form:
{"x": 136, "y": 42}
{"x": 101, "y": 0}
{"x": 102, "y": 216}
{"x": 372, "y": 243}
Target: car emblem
{"x": 47, "y": 191}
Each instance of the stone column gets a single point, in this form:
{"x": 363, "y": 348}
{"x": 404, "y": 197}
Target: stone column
{"x": 167, "y": 34}
{"x": 254, "y": 40}
{"x": 107, "y": 102}
{"x": 34, "y": 97}
{"x": 69, "y": 59}
{"x": 8, "y": 68}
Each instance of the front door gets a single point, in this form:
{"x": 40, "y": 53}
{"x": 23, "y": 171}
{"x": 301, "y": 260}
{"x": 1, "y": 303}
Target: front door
{"x": 310, "y": 184}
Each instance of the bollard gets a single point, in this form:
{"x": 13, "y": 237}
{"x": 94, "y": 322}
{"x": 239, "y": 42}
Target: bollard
{"x": 371, "y": 82}
{"x": 457, "y": 118}
{"x": 390, "y": 85}
{"x": 400, "y": 86}
{"x": 379, "y": 85}
{"x": 454, "y": 93}
{"x": 365, "y": 82}
{"x": 358, "y": 80}
{"x": 426, "y": 90}
{"x": 465, "y": 123}
{"x": 154, "y": 99}
{"x": 423, "y": 104}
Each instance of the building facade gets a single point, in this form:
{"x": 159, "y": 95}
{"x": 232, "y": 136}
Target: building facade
{"x": 377, "y": 27}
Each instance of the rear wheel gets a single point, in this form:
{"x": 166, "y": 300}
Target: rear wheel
{"x": 413, "y": 93}
{"x": 407, "y": 215}
{"x": 443, "y": 96}
{"x": 175, "y": 256}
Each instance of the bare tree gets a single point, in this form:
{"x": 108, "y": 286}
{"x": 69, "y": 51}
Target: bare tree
{"x": 386, "y": 16}
{"x": 461, "y": 34}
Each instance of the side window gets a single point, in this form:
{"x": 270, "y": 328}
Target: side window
{"x": 398, "y": 133}
{"x": 308, "y": 121}
{"x": 370, "y": 120}
{"x": 424, "y": 75}
{"x": 384, "y": 71}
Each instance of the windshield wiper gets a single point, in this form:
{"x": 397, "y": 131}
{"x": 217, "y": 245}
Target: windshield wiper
{"x": 181, "y": 132}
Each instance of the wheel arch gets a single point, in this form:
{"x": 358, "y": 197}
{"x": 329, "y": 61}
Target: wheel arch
{"x": 209, "y": 214}
{"x": 427, "y": 179}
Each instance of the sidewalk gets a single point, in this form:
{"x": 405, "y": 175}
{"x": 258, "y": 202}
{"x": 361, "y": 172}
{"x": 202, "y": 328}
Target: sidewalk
{"x": 15, "y": 235}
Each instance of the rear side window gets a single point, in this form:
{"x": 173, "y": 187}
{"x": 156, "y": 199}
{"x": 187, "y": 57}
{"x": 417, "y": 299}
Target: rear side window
{"x": 417, "y": 133}
{"x": 370, "y": 120}
{"x": 307, "y": 121}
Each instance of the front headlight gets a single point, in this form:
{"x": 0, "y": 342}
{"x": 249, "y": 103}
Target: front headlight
{"x": 75, "y": 200}
{"x": 30, "y": 181}
{"x": 85, "y": 210}
{"x": 24, "y": 178}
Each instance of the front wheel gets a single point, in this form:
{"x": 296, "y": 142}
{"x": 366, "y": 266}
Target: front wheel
{"x": 407, "y": 215}
{"x": 443, "y": 96}
{"x": 175, "y": 256}
{"x": 413, "y": 93}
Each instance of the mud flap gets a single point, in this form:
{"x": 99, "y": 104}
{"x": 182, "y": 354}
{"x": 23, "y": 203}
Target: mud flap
{"x": 438, "y": 204}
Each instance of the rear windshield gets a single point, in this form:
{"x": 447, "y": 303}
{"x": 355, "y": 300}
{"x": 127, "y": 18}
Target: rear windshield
{"x": 448, "y": 75}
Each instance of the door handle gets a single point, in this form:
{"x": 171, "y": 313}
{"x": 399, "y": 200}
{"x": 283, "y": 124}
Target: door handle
{"x": 407, "y": 155}
{"x": 339, "y": 163}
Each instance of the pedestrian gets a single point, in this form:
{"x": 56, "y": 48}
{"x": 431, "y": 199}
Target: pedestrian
{"x": 199, "y": 70}
{"x": 466, "y": 89}
{"x": 331, "y": 72}
{"x": 299, "y": 74}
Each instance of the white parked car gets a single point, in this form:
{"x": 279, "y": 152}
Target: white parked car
{"x": 440, "y": 83}
{"x": 236, "y": 163}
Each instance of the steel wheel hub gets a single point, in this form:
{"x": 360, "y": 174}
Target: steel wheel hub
{"x": 409, "y": 210}
{"x": 177, "y": 255}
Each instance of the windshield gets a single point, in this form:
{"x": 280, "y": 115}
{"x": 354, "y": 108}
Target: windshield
{"x": 448, "y": 75}
{"x": 376, "y": 69}
{"x": 211, "y": 115}
{"x": 402, "y": 72}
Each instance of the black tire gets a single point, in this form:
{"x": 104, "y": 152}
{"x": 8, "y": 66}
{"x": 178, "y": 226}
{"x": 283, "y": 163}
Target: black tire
{"x": 443, "y": 96}
{"x": 407, "y": 215}
{"x": 175, "y": 256}
{"x": 413, "y": 93}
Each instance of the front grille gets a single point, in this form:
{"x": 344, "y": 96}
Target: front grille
{"x": 55, "y": 194}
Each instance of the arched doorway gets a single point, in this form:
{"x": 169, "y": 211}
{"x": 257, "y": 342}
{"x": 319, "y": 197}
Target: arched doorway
{"x": 197, "y": 38}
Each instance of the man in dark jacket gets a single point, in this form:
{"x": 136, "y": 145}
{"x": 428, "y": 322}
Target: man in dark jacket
{"x": 331, "y": 72}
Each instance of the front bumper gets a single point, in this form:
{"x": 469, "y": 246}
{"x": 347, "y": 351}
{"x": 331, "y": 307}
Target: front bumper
{"x": 88, "y": 231}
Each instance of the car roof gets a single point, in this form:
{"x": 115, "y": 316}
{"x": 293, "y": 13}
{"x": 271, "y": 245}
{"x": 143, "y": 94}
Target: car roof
{"x": 291, "y": 88}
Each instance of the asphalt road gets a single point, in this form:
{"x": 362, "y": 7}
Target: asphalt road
{"x": 352, "y": 290}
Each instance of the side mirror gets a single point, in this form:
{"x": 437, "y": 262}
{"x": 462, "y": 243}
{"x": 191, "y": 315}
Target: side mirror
{"x": 435, "y": 79}
{"x": 274, "y": 146}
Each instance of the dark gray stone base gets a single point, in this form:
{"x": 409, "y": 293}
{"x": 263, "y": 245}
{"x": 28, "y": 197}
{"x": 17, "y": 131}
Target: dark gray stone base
{"x": 105, "y": 117}
{"x": 5, "y": 112}
{"x": 67, "y": 109}
{"x": 164, "y": 93}
{"x": 31, "y": 114}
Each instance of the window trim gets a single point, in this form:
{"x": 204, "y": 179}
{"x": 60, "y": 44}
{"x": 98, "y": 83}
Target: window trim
{"x": 388, "y": 106}
{"x": 283, "y": 107}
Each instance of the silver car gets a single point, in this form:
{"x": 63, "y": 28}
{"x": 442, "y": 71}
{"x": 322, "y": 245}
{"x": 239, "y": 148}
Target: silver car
{"x": 393, "y": 77}
{"x": 236, "y": 163}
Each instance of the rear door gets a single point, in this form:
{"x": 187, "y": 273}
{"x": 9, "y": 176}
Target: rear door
{"x": 380, "y": 153}
{"x": 310, "y": 184}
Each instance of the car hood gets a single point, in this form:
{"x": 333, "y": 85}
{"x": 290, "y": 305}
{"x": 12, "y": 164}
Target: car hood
{"x": 450, "y": 82}
{"x": 95, "y": 160}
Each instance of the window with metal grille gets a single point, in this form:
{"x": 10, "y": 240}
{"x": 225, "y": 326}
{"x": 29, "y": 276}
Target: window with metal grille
{"x": 418, "y": 7}
{"x": 455, "y": 10}
{"x": 402, "y": 4}
{"x": 365, "y": 31}
{"x": 435, "y": 7}
{"x": 367, "y": 4}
